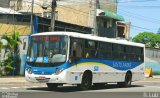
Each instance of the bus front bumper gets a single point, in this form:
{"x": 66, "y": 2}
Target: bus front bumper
{"x": 46, "y": 78}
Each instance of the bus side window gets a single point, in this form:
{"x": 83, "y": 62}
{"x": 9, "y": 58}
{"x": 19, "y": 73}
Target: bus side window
{"x": 76, "y": 49}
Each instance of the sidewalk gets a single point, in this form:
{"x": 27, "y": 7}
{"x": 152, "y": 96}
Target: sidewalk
{"x": 156, "y": 76}
{"x": 12, "y": 80}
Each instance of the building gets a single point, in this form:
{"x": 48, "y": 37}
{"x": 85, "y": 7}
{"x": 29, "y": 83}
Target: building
{"x": 123, "y": 30}
{"x": 79, "y": 12}
{"x": 79, "y": 16}
{"x": 21, "y": 23}
{"x": 5, "y": 3}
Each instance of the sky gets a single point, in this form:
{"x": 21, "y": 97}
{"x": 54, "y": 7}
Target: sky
{"x": 144, "y": 15}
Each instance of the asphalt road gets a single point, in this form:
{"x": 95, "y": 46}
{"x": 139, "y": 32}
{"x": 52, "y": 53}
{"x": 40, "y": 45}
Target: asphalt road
{"x": 148, "y": 88}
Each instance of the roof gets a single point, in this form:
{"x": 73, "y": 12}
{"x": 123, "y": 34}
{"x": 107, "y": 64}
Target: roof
{"x": 8, "y": 11}
{"x": 92, "y": 37}
{"x": 108, "y": 14}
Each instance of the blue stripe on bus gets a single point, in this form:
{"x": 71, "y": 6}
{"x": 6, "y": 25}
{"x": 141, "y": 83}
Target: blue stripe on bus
{"x": 119, "y": 65}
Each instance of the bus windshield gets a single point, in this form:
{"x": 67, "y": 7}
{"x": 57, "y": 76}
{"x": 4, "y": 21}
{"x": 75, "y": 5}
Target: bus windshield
{"x": 51, "y": 50}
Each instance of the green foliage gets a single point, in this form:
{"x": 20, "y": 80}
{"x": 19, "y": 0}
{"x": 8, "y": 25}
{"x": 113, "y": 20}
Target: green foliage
{"x": 149, "y": 39}
{"x": 0, "y": 45}
{"x": 12, "y": 53}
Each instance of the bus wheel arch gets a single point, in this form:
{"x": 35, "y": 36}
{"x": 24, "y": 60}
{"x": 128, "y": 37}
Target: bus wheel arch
{"x": 86, "y": 81}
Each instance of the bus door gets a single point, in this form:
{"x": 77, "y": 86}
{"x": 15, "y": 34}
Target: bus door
{"x": 75, "y": 51}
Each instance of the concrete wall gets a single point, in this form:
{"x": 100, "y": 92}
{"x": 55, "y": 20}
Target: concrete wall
{"x": 23, "y": 51}
{"x": 152, "y": 60}
{"x": 71, "y": 11}
{"x": 4, "y": 3}
{"x": 8, "y": 29}
{"x": 9, "y": 23}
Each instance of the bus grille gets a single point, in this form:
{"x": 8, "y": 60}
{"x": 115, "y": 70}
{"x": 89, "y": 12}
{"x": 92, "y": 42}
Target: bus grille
{"x": 42, "y": 73}
{"x": 43, "y": 80}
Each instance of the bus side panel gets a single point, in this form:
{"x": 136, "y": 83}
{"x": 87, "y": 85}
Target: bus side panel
{"x": 104, "y": 73}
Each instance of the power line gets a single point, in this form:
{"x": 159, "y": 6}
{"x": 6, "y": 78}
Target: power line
{"x": 140, "y": 17}
{"x": 128, "y": 1}
{"x": 137, "y": 7}
{"x": 141, "y": 27}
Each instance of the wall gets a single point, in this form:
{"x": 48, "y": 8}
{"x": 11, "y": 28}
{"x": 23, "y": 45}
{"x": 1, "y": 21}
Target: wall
{"x": 152, "y": 59}
{"x": 71, "y": 11}
{"x": 23, "y": 51}
{"x": 4, "y": 3}
{"x": 9, "y": 23}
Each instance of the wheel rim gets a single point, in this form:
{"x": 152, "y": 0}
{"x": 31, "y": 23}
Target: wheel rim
{"x": 86, "y": 82}
{"x": 128, "y": 80}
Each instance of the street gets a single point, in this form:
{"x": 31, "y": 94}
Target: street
{"x": 39, "y": 90}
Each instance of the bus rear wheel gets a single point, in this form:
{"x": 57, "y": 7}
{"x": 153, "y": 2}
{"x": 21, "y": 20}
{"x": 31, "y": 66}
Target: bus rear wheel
{"x": 127, "y": 82}
{"x": 86, "y": 81}
{"x": 52, "y": 86}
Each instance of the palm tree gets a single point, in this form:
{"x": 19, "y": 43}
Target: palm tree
{"x": 12, "y": 51}
{"x": 0, "y": 45}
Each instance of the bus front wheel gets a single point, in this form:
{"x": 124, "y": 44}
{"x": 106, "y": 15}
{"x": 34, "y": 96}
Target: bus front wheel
{"x": 52, "y": 86}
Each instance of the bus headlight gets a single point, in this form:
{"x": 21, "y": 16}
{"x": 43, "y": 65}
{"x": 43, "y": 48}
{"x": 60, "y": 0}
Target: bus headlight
{"x": 58, "y": 71}
{"x": 29, "y": 71}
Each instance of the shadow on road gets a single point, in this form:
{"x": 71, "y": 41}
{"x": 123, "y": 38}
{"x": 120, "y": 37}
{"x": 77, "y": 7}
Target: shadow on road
{"x": 76, "y": 89}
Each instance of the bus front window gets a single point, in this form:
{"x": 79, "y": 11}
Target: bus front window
{"x": 50, "y": 50}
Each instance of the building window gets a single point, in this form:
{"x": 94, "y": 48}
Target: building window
{"x": 107, "y": 23}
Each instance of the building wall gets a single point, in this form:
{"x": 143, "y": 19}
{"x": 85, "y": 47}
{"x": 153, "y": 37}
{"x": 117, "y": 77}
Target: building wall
{"x": 72, "y": 11}
{"x": 152, "y": 59}
{"x": 123, "y": 30}
{"x": 11, "y": 22}
{"x": 4, "y": 3}
{"x": 23, "y": 29}
{"x": 109, "y": 5}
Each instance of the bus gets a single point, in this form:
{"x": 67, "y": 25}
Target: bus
{"x": 58, "y": 58}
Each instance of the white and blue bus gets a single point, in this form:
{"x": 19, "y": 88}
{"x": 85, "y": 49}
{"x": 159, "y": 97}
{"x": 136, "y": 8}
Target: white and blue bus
{"x": 57, "y": 58}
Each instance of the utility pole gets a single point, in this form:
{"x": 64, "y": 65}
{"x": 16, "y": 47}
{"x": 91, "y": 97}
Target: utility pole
{"x": 54, "y": 5}
{"x": 92, "y": 17}
{"x": 31, "y": 26}
{"x": 116, "y": 5}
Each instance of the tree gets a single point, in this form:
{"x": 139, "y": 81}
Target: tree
{"x": 158, "y": 32}
{"x": 0, "y": 45}
{"x": 148, "y": 38}
{"x": 157, "y": 40}
{"x": 12, "y": 59}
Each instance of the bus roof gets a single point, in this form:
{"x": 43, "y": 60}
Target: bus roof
{"x": 92, "y": 37}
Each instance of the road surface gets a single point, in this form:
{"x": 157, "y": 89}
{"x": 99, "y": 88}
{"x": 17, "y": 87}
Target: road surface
{"x": 147, "y": 88}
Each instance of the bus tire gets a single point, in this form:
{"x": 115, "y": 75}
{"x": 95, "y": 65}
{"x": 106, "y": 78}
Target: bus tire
{"x": 52, "y": 86}
{"x": 86, "y": 81}
{"x": 128, "y": 79}
{"x": 127, "y": 82}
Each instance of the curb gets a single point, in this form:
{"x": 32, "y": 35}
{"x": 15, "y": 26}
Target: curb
{"x": 12, "y": 80}
{"x": 156, "y": 77}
